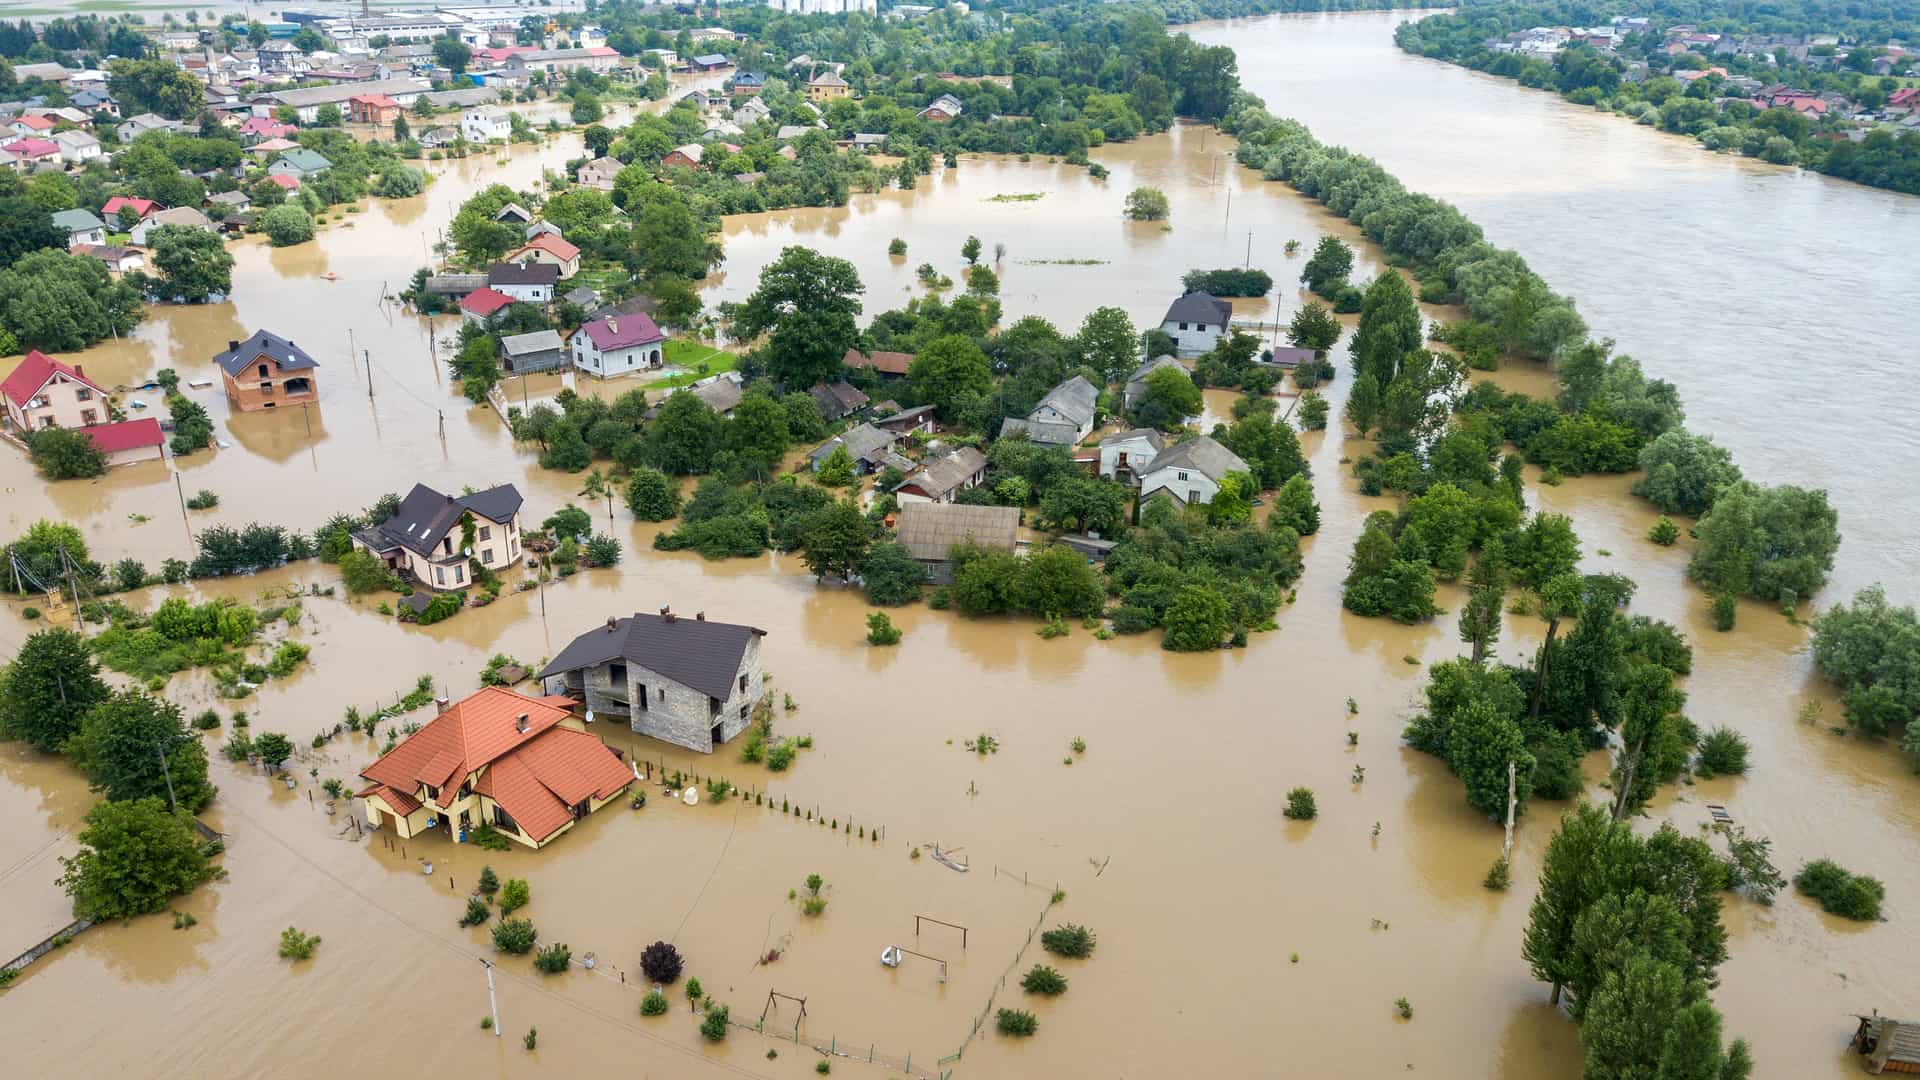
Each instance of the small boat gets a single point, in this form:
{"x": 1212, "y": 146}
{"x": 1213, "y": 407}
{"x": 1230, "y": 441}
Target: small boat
{"x": 948, "y": 861}
{"x": 890, "y": 956}
{"x": 199, "y": 384}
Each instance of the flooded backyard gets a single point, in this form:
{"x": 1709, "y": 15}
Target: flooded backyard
{"x": 1166, "y": 835}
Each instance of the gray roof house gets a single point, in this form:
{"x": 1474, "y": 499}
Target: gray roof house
{"x": 721, "y": 394}
{"x": 299, "y": 164}
{"x": 1137, "y": 382}
{"x": 541, "y": 350}
{"x": 1063, "y": 417}
{"x": 940, "y": 480}
{"x": 690, "y": 682}
{"x": 1195, "y": 322}
{"x": 1125, "y": 455}
{"x": 838, "y": 399}
{"x": 930, "y": 530}
{"x": 1189, "y": 472}
{"x": 870, "y": 447}
{"x": 420, "y": 539}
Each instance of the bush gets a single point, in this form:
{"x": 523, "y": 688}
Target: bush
{"x": 1841, "y": 892}
{"x": 207, "y": 720}
{"x": 780, "y": 755}
{"x": 713, "y": 1027}
{"x": 295, "y": 945}
{"x": 514, "y": 936}
{"x": 1016, "y": 1022}
{"x": 1664, "y": 532}
{"x": 1068, "y": 939}
{"x": 514, "y": 895}
{"x": 1722, "y": 750}
{"x": 488, "y": 838}
{"x": 1044, "y": 980}
{"x": 553, "y": 959}
{"x": 1499, "y": 876}
{"x": 286, "y": 224}
{"x": 654, "y": 1004}
{"x": 477, "y": 912}
{"x": 1300, "y": 805}
{"x": 1726, "y": 608}
{"x": 205, "y": 500}
{"x": 661, "y": 962}
{"x": 881, "y": 631}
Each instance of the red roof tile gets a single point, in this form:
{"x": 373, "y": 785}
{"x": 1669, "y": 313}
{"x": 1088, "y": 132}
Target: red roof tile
{"x": 36, "y": 123}
{"x": 484, "y": 301}
{"x": 401, "y": 802}
{"x": 31, "y": 148}
{"x": 125, "y": 435}
{"x": 143, "y": 207}
{"x": 551, "y": 244}
{"x": 33, "y": 373}
{"x": 284, "y": 181}
{"x": 892, "y": 363}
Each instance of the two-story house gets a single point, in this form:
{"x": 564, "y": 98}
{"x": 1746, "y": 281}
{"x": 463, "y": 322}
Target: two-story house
{"x": 551, "y": 250}
{"x": 689, "y": 682}
{"x": 485, "y": 123}
{"x": 532, "y": 282}
{"x": 618, "y": 344}
{"x": 1126, "y": 455}
{"x": 1196, "y": 322}
{"x": 428, "y": 538}
{"x": 1064, "y": 417}
{"x": 81, "y": 227}
{"x": 1189, "y": 472}
{"x": 267, "y": 371}
{"x": 44, "y": 393}
{"x": 525, "y": 766}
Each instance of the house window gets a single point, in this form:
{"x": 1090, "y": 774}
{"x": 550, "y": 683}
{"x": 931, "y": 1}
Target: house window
{"x": 263, "y": 371}
{"x": 486, "y": 532}
{"x": 459, "y": 573}
{"x": 82, "y": 394}
{"x": 439, "y": 575}
{"x": 1183, "y": 326}
{"x": 89, "y": 416}
{"x": 743, "y": 684}
{"x": 504, "y": 820}
{"x": 744, "y": 710}
{"x": 1183, "y": 476}
{"x": 513, "y": 549}
{"x": 486, "y": 556}
{"x": 433, "y": 793}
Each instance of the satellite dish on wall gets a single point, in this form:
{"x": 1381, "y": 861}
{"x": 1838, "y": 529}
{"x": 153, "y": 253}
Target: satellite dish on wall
{"x": 589, "y": 716}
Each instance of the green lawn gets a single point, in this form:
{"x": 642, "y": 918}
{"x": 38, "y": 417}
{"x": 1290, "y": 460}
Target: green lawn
{"x": 699, "y": 360}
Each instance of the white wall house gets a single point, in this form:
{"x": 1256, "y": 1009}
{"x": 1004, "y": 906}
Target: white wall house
{"x": 483, "y": 123}
{"x": 619, "y": 344}
{"x": 1190, "y": 472}
{"x": 1196, "y": 322}
{"x": 1127, "y": 455}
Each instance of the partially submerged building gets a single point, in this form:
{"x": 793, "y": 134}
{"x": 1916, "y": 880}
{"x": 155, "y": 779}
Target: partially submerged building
{"x": 420, "y": 540}
{"x": 690, "y": 682}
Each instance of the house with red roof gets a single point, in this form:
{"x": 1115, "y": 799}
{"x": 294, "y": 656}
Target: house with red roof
{"x": 129, "y": 441}
{"x": 524, "y": 766}
{"x": 28, "y": 152}
{"x": 550, "y": 249}
{"x": 481, "y": 303}
{"x": 372, "y": 109}
{"x": 284, "y": 182}
{"x": 44, "y": 393}
{"x": 31, "y": 125}
{"x": 142, "y": 208}
{"x": 619, "y": 344}
{"x": 266, "y": 127}
{"x": 1907, "y": 97}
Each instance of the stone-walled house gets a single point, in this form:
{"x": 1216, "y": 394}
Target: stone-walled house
{"x": 426, "y": 539}
{"x": 689, "y": 682}
{"x": 525, "y": 766}
{"x": 267, "y": 371}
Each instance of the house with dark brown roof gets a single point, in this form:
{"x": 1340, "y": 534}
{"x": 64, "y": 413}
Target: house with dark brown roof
{"x": 892, "y": 365}
{"x": 691, "y": 682}
{"x": 838, "y": 399}
{"x": 421, "y": 539}
{"x": 267, "y": 371}
{"x": 524, "y": 766}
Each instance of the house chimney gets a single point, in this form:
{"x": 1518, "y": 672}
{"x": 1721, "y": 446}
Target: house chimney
{"x": 666, "y": 612}
{"x": 699, "y": 616}
{"x": 80, "y": 371}
{"x": 232, "y": 345}
{"x": 521, "y": 723}
{"x": 613, "y": 325}
{"x": 441, "y": 704}
{"x": 611, "y": 623}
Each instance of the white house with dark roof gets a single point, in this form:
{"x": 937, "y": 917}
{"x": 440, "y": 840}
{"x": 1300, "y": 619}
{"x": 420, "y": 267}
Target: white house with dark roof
{"x": 1190, "y": 472}
{"x": 942, "y": 479}
{"x": 1196, "y": 322}
{"x": 1063, "y": 418}
{"x": 1125, "y": 455}
{"x": 688, "y": 681}
{"x": 426, "y": 537}
{"x": 531, "y": 282}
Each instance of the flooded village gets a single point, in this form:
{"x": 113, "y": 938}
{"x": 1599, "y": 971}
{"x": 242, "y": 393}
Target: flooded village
{"x": 855, "y": 848}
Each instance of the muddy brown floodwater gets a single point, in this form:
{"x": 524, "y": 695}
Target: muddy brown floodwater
{"x": 1166, "y": 835}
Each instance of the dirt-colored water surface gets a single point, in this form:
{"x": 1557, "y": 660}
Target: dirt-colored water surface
{"x": 1231, "y": 941}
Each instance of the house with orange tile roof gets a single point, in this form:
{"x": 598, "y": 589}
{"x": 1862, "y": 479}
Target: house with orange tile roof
{"x": 526, "y": 766}
{"x": 550, "y": 249}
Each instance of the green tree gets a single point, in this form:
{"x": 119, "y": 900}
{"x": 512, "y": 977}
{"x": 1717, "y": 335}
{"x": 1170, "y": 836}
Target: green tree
{"x": 274, "y": 749}
{"x": 1545, "y": 549}
{"x": 1108, "y": 343}
{"x": 970, "y": 250}
{"x": 193, "y": 263}
{"x": 1082, "y": 503}
{"x": 1170, "y": 397}
{"x": 1389, "y": 328}
{"x": 1057, "y": 581}
{"x": 586, "y": 109}
{"x": 24, "y": 230}
{"x": 757, "y": 433}
{"x": 684, "y": 435}
{"x": 1197, "y": 621}
{"x": 651, "y": 496}
{"x": 363, "y": 572}
{"x": 1767, "y": 543}
{"x": 453, "y": 54}
{"x": 806, "y": 302}
{"x": 52, "y": 684}
{"x": 1482, "y": 744}
{"x": 1581, "y": 861}
{"x": 804, "y": 422}
{"x": 156, "y": 86}
{"x": 65, "y": 453}
{"x": 892, "y": 575}
{"x": 1325, "y": 273}
{"x": 1684, "y": 472}
{"x": 567, "y": 450}
{"x": 120, "y": 744}
{"x": 834, "y": 540}
{"x": 286, "y": 225}
{"x": 134, "y": 857}
{"x": 1147, "y": 204}
{"x": 62, "y": 302}
{"x": 836, "y": 470}
{"x": 1363, "y": 403}
{"x": 948, "y": 371}
{"x": 327, "y": 116}
{"x": 1313, "y": 327}
{"x": 1294, "y": 506}
{"x": 1486, "y": 598}
{"x": 1271, "y": 448}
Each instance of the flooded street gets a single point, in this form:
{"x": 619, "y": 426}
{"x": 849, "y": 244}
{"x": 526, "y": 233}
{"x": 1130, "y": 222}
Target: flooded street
{"x": 1166, "y": 836}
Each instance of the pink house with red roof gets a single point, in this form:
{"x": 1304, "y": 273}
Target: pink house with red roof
{"x": 619, "y": 344}
{"x": 44, "y": 393}
{"x": 283, "y": 181}
{"x": 550, "y": 249}
{"x": 1907, "y": 97}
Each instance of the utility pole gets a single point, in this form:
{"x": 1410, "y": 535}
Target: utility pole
{"x": 72, "y": 583}
{"x": 161, "y": 749}
{"x": 368, "y": 356}
{"x": 1506, "y": 849}
{"x": 1249, "y": 248}
{"x": 492, "y": 1002}
{"x": 182, "y": 493}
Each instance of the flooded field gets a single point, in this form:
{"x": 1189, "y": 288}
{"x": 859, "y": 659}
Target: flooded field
{"x": 1166, "y": 836}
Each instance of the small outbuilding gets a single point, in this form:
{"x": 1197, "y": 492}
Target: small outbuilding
{"x": 930, "y": 531}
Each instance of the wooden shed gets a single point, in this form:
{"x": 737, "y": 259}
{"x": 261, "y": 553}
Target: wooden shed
{"x": 1886, "y": 1045}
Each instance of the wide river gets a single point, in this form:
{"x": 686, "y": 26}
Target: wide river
{"x": 1232, "y": 942}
